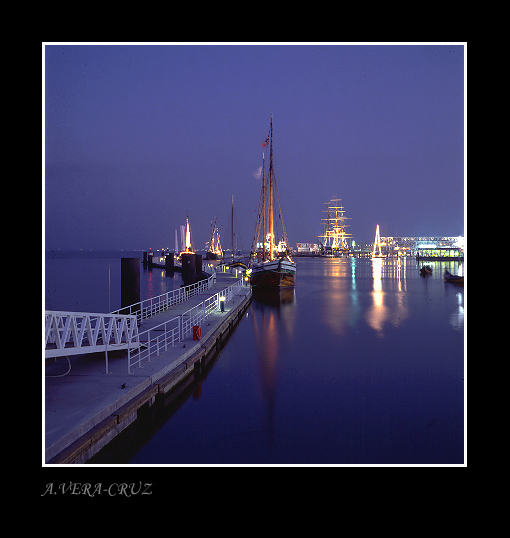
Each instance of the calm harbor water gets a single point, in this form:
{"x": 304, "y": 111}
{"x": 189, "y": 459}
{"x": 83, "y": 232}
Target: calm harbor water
{"x": 85, "y": 281}
{"x": 363, "y": 363}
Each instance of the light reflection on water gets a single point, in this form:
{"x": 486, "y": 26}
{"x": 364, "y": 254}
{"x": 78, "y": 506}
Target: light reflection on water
{"x": 380, "y": 313}
{"x": 362, "y": 364}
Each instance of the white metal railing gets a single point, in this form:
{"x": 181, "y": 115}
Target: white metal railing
{"x": 150, "y": 307}
{"x": 159, "y": 338}
{"x": 155, "y": 340}
{"x": 73, "y": 333}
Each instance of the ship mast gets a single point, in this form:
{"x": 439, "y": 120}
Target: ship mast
{"x": 233, "y": 251}
{"x": 263, "y": 209}
{"x": 271, "y": 173}
{"x": 215, "y": 243}
{"x": 211, "y": 245}
{"x": 335, "y": 235}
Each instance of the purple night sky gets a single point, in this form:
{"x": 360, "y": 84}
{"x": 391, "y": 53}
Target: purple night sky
{"x": 138, "y": 136}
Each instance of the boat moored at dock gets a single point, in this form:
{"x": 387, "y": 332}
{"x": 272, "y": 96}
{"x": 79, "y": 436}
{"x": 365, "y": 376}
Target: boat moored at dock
{"x": 279, "y": 273}
{"x": 454, "y": 279}
{"x": 271, "y": 266}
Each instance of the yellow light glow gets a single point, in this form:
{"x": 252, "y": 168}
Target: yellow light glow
{"x": 188, "y": 249}
{"x": 377, "y": 243}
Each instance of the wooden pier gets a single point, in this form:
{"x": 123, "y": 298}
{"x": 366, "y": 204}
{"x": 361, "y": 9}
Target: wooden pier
{"x": 85, "y": 407}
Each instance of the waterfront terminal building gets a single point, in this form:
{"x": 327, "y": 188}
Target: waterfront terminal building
{"x": 423, "y": 248}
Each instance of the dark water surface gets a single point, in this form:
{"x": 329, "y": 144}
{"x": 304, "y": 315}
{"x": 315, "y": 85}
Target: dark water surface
{"x": 87, "y": 281}
{"x": 362, "y": 364}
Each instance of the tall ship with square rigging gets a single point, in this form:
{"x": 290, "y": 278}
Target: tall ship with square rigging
{"x": 334, "y": 241}
{"x": 271, "y": 266}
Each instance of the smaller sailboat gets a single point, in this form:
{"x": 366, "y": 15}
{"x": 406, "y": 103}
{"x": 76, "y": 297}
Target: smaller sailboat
{"x": 271, "y": 267}
{"x": 186, "y": 239}
{"x": 377, "y": 253}
{"x": 214, "y": 250}
{"x": 455, "y": 279}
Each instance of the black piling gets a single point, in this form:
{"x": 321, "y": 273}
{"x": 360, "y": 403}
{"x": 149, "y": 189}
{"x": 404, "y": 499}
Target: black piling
{"x": 198, "y": 266}
{"x": 169, "y": 263}
{"x": 188, "y": 268}
{"x": 129, "y": 282}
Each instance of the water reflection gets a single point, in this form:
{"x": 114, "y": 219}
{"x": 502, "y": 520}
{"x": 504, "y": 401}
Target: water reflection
{"x": 155, "y": 281}
{"x": 382, "y": 310}
{"x": 304, "y": 378}
{"x": 339, "y": 298}
{"x": 345, "y": 295}
{"x": 376, "y": 315}
{"x": 150, "y": 285}
{"x": 270, "y": 314}
{"x": 338, "y": 312}
{"x": 457, "y": 318}
{"x": 401, "y": 274}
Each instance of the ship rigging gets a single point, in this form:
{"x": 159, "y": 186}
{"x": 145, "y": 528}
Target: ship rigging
{"x": 271, "y": 266}
{"x": 335, "y": 239}
{"x": 214, "y": 250}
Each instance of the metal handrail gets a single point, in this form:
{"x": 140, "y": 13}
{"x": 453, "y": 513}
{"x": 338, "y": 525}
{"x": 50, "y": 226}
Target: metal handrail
{"x": 157, "y": 339}
{"x": 150, "y": 307}
{"x": 73, "y": 333}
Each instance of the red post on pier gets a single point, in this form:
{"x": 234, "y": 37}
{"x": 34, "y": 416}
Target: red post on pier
{"x": 197, "y": 332}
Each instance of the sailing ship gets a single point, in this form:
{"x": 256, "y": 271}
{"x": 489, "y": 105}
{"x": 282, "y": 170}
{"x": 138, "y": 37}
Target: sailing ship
{"x": 187, "y": 247}
{"x": 271, "y": 266}
{"x": 334, "y": 241}
{"x": 377, "y": 253}
{"x": 214, "y": 250}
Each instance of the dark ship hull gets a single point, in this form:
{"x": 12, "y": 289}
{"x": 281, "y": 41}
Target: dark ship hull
{"x": 274, "y": 274}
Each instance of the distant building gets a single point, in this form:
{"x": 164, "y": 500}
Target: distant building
{"x": 307, "y": 249}
{"x": 413, "y": 246}
{"x": 432, "y": 247}
{"x": 442, "y": 253}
